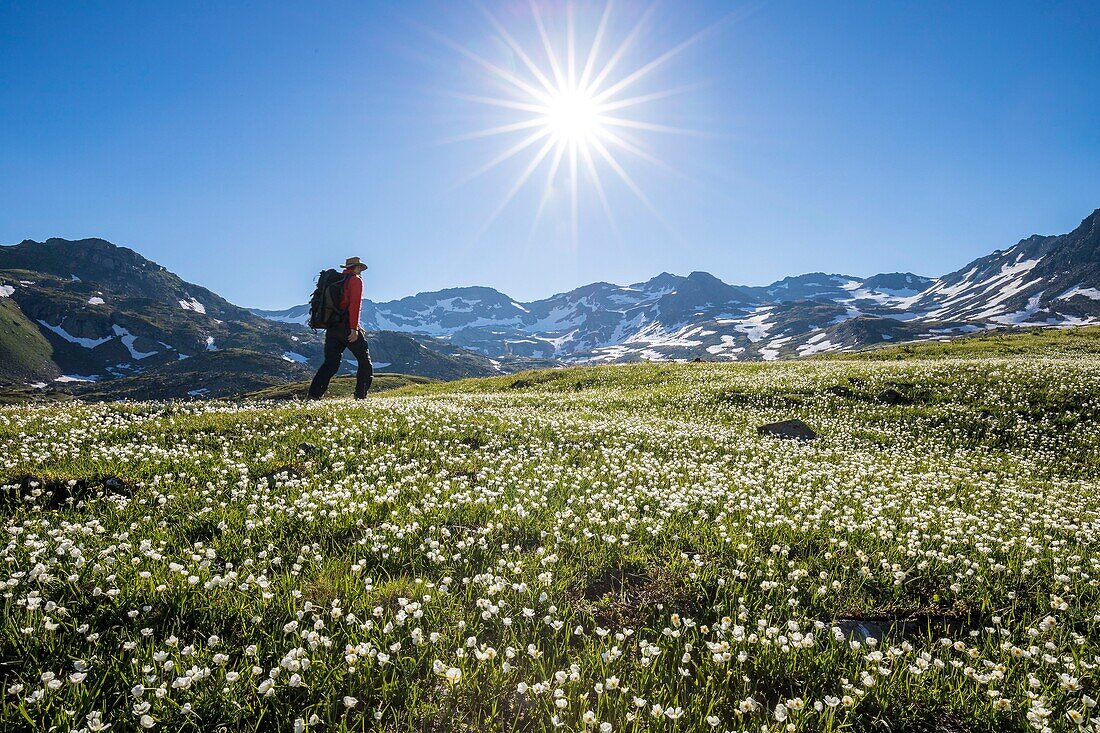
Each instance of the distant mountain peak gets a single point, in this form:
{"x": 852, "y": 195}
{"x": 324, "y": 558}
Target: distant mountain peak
{"x": 1042, "y": 280}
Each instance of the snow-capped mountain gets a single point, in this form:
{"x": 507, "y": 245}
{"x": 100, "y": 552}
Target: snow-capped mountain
{"x": 1041, "y": 281}
{"x": 1049, "y": 281}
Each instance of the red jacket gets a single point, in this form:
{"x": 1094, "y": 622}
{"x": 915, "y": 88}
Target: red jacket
{"x": 353, "y": 298}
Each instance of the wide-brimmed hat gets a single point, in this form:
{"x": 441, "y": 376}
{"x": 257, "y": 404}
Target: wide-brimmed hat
{"x": 354, "y": 262}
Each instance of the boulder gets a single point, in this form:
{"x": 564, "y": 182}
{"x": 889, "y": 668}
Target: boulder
{"x": 891, "y": 396}
{"x": 788, "y": 430}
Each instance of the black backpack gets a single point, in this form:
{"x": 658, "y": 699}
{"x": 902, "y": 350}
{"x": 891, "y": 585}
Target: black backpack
{"x": 324, "y": 305}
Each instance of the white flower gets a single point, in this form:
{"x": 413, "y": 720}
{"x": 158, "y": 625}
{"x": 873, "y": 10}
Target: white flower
{"x": 350, "y": 702}
{"x": 95, "y": 722}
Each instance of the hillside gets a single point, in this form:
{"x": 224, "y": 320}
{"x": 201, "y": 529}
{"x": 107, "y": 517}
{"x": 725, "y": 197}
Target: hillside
{"x": 1023, "y": 342}
{"x": 222, "y": 373}
{"x": 88, "y": 311}
{"x": 540, "y": 552}
{"x": 25, "y": 353}
{"x": 1041, "y": 281}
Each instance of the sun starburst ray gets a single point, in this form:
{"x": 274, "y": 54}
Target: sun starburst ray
{"x": 626, "y": 179}
{"x": 573, "y": 115}
{"x": 574, "y": 194}
{"x": 650, "y": 126}
{"x": 651, "y": 66}
{"x": 510, "y": 152}
{"x": 548, "y": 187}
{"x": 571, "y": 45}
{"x": 640, "y": 152}
{"x": 531, "y": 167}
{"x": 594, "y": 49}
{"x": 594, "y": 176}
{"x": 645, "y": 98}
{"x": 517, "y": 49}
{"x": 498, "y": 130}
{"x": 552, "y": 57}
{"x": 539, "y": 109}
{"x": 623, "y": 47}
{"x": 493, "y": 69}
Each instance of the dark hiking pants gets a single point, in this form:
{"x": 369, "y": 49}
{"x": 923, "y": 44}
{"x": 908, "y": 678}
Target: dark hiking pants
{"x": 336, "y": 340}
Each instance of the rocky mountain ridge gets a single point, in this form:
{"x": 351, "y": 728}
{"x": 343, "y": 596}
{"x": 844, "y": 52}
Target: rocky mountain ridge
{"x": 1041, "y": 281}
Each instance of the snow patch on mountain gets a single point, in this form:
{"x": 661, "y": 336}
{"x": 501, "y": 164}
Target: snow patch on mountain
{"x": 756, "y": 327}
{"x": 87, "y": 343}
{"x": 1090, "y": 293}
{"x": 77, "y": 378}
{"x": 128, "y": 339}
{"x": 816, "y": 344}
{"x": 193, "y": 305}
{"x": 1022, "y": 316}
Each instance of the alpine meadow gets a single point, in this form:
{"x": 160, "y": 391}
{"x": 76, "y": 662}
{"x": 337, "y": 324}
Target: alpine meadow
{"x": 612, "y": 548}
{"x": 550, "y": 366}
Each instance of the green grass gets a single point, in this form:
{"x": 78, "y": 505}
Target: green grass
{"x": 566, "y": 548}
{"x": 24, "y": 351}
{"x": 1032, "y": 342}
{"x": 341, "y": 387}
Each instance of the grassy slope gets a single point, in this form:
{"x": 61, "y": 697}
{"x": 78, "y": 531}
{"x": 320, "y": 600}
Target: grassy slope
{"x": 223, "y": 373}
{"x": 464, "y": 480}
{"x": 340, "y": 387}
{"x": 24, "y": 351}
{"x": 1033, "y": 342}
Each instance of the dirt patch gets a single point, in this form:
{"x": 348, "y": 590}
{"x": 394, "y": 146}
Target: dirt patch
{"x": 628, "y": 596}
{"x": 475, "y": 442}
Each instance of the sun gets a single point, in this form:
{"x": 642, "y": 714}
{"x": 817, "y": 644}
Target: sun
{"x": 579, "y": 114}
{"x": 572, "y": 116}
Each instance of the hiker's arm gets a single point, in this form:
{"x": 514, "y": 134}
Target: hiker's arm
{"x": 355, "y": 302}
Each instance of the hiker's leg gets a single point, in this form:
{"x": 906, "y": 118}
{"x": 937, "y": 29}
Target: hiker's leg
{"x": 364, "y": 375}
{"x": 334, "y": 351}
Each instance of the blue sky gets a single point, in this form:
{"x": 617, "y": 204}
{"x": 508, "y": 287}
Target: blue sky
{"x": 247, "y": 145}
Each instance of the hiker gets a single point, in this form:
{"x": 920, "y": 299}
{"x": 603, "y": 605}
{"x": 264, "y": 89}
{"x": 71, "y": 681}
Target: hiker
{"x": 340, "y": 319}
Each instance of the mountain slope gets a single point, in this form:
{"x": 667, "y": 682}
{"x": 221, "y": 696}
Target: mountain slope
{"x": 1039, "y": 281}
{"x": 73, "y": 312}
{"x": 1052, "y": 281}
{"x": 24, "y": 351}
